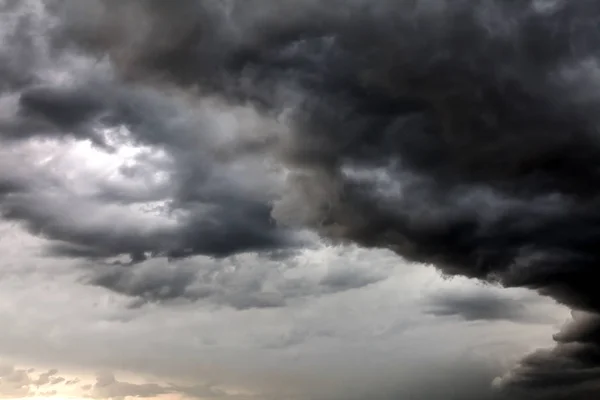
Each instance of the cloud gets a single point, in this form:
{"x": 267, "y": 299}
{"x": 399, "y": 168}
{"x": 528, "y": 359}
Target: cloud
{"x": 576, "y": 351}
{"x": 20, "y": 382}
{"x": 321, "y": 345}
{"x": 422, "y": 145}
{"x": 199, "y": 203}
{"x": 14, "y": 382}
{"x": 346, "y": 279}
{"x": 57, "y": 380}
{"x": 50, "y": 393}
{"x": 107, "y": 387}
{"x": 199, "y": 208}
{"x": 244, "y": 282}
{"x": 484, "y": 304}
{"x": 473, "y": 384}
{"x": 136, "y": 133}
{"x": 469, "y": 382}
{"x": 45, "y": 378}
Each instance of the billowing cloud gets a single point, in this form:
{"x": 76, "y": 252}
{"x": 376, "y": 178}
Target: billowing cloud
{"x": 454, "y": 134}
{"x": 198, "y": 204}
{"x": 248, "y": 281}
{"x": 414, "y": 138}
{"x": 195, "y": 208}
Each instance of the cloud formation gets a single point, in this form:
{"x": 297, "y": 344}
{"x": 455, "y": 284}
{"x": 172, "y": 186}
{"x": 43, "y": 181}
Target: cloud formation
{"x": 244, "y": 282}
{"x": 484, "y": 304}
{"x": 472, "y": 148}
{"x": 164, "y": 189}
{"x": 376, "y": 340}
{"x": 108, "y": 387}
{"x": 455, "y": 134}
{"x": 19, "y": 383}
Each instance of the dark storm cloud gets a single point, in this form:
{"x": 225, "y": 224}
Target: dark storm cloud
{"x": 64, "y": 109}
{"x": 216, "y": 208}
{"x": 568, "y": 370}
{"x": 221, "y": 217}
{"x": 457, "y": 133}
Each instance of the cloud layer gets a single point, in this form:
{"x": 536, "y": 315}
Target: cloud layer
{"x": 454, "y": 134}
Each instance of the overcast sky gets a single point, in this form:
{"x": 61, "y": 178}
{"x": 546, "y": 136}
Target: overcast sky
{"x": 324, "y": 323}
{"x": 342, "y": 324}
{"x": 140, "y": 256}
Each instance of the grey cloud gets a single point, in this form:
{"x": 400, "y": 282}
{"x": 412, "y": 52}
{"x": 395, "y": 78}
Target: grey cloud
{"x": 14, "y": 383}
{"x": 108, "y": 387}
{"x": 19, "y": 55}
{"x": 62, "y": 108}
{"x": 20, "y": 382}
{"x": 576, "y": 352}
{"x": 207, "y": 391}
{"x": 219, "y": 212}
{"x": 243, "y": 283}
{"x": 458, "y": 135}
{"x": 45, "y": 378}
{"x": 464, "y": 383}
{"x": 468, "y": 382}
{"x": 483, "y": 305}
{"x": 218, "y": 207}
{"x": 57, "y": 380}
{"x": 331, "y": 347}
{"x": 347, "y": 278}
{"x": 11, "y": 374}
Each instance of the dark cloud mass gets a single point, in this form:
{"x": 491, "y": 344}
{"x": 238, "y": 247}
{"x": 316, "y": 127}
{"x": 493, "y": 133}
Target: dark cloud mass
{"x": 457, "y": 133}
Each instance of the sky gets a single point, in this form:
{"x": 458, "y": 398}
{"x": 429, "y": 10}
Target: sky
{"x": 346, "y": 323}
{"x": 273, "y": 200}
